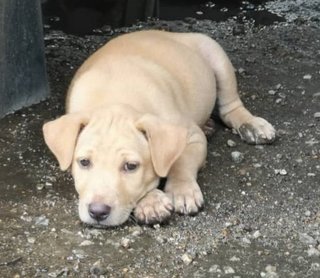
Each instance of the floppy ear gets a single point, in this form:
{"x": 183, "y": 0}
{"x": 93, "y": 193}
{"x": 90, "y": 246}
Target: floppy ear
{"x": 166, "y": 142}
{"x": 61, "y": 135}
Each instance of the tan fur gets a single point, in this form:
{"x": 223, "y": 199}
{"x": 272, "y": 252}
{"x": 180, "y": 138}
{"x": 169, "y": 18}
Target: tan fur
{"x": 143, "y": 98}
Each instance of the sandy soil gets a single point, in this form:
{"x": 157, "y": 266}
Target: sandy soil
{"x": 262, "y": 214}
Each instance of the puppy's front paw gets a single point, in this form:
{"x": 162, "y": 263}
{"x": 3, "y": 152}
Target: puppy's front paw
{"x": 155, "y": 207}
{"x": 257, "y": 131}
{"x": 187, "y": 197}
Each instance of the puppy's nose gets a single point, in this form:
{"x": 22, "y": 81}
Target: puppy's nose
{"x": 99, "y": 211}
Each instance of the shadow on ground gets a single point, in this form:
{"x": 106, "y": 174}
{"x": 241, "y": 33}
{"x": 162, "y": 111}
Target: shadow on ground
{"x": 262, "y": 214}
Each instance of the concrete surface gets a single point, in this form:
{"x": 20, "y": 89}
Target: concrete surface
{"x": 262, "y": 214}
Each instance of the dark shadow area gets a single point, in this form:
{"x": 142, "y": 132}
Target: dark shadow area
{"x": 82, "y": 17}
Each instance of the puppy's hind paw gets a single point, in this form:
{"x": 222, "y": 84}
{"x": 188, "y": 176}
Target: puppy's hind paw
{"x": 155, "y": 207}
{"x": 257, "y": 131}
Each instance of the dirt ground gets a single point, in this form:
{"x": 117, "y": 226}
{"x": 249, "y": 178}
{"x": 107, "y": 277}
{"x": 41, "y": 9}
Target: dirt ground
{"x": 262, "y": 213}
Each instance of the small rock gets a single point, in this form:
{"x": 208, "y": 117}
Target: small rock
{"x": 199, "y": 12}
{"x": 272, "y": 92}
{"x": 42, "y": 220}
{"x": 231, "y": 143}
{"x": 271, "y": 272}
{"x": 278, "y": 86}
{"x": 307, "y": 213}
{"x": 215, "y": 269}
{"x": 241, "y": 70}
{"x": 228, "y": 270}
{"x": 48, "y": 184}
{"x": 40, "y": 186}
{"x": 125, "y": 243}
{"x": 307, "y": 77}
{"x": 246, "y": 240}
{"x": 186, "y": 258}
{"x": 316, "y": 94}
{"x": 237, "y": 157}
{"x": 316, "y": 115}
{"x": 157, "y": 226}
{"x": 313, "y": 252}
{"x": 86, "y": 243}
{"x": 31, "y": 240}
{"x": 80, "y": 254}
{"x": 256, "y": 234}
{"x": 160, "y": 239}
{"x": 136, "y": 231}
{"x": 282, "y": 172}
{"x": 315, "y": 267}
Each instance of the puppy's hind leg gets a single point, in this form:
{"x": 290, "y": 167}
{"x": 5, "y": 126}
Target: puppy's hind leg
{"x": 253, "y": 130}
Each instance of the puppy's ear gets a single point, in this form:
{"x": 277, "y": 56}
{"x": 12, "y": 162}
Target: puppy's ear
{"x": 61, "y": 135}
{"x": 166, "y": 142}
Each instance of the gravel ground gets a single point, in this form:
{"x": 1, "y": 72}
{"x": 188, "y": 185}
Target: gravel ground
{"x": 262, "y": 212}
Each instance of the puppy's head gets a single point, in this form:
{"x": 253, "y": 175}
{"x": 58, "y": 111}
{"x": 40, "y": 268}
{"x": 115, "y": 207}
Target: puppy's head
{"x": 116, "y": 155}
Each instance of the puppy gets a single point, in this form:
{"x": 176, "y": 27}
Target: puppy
{"x": 135, "y": 113}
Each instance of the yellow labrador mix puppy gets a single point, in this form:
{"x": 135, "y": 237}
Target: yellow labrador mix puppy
{"x": 135, "y": 112}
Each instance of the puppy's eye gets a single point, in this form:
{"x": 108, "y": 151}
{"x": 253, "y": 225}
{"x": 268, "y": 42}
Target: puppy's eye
{"x": 84, "y": 162}
{"x": 130, "y": 166}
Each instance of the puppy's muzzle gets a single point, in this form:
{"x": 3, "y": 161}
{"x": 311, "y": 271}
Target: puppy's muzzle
{"x": 99, "y": 211}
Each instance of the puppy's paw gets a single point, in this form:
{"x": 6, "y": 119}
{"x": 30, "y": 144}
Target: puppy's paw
{"x": 187, "y": 198}
{"x": 155, "y": 207}
{"x": 257, "y": 131}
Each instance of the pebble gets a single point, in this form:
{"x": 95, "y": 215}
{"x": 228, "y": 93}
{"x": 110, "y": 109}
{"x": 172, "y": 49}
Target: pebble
{"x": 237, "y": 157}
{"x": 186, "y": 258}
{"x": 270, "y": 272}
{"x": 231, "y": 143}
{"x": 40, "y": 186}
{"x": 272, "y": 92}
{"x": 256, "y": 234}
{"x": 42, "y": 220}
{"x": 282, "y": 172}
{"x": 48, "y": 184}
{"x": 86, "y": 243}
{"x": 241, "y": 70}
{"x": 234, "y": 259}
{"x": 313, "y": 252}
{"x": 307, "y": 213}
{"x": 307, "y": 77}
{"x": 156, "y": 226}
{"x": 278, "y": 86}
{"x": 136, "y": 231}
{"x": 317, "y": 115}
{"x": 215, "y": 269}
{"x": 125, "y": 243}
{"x": 228, "y": 270}
{"x": 80, "y": 254}
{"x": 31, "y": 240}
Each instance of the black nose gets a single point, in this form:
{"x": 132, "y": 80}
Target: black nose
{"x": 99, "y": 211}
